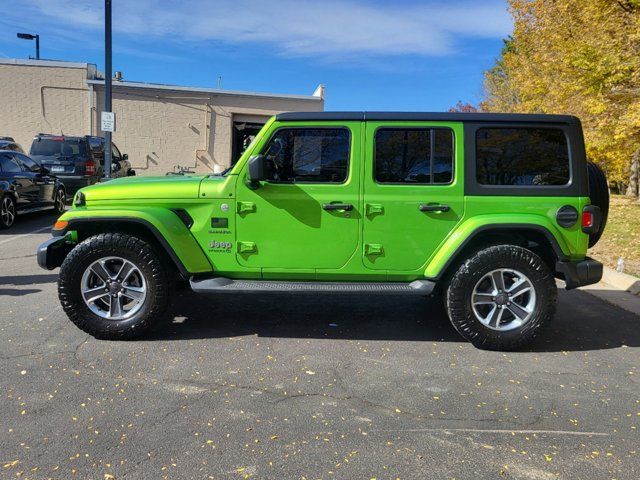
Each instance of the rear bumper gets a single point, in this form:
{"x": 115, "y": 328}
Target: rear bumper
{"x": 581, "y": 273}
{"x": 52, "y": 253}
{"x": 73, "y": 184}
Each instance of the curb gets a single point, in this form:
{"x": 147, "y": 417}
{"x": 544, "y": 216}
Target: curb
{"x": 621, "y": 281}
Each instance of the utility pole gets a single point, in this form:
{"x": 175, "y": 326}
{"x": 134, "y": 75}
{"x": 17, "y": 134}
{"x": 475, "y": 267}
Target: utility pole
{"x": 107, "y": 85}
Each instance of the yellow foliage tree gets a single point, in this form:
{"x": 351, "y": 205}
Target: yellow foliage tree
{"x": 579, "y": 57}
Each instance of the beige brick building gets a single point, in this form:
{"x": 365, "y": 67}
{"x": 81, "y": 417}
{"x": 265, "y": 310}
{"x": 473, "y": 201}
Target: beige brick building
{"x": 159, "y": 126}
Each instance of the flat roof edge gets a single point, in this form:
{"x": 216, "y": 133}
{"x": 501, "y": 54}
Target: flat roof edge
{"x": 212, "y": 91}
{"x": 43, "y": 63}
{"x": 428, "y": 116}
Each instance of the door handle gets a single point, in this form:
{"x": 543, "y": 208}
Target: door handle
{"x": 337, "y": 206}
{"x": 434, "y": 208}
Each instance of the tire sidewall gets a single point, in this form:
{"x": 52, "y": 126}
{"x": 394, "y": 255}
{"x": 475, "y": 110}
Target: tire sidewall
{"x": 460, "y": 292}
{"x": 70, "y": 280}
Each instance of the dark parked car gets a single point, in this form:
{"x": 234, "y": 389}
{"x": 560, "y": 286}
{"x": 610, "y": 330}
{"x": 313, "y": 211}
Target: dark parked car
{"x": 7, "y": 143}
{"x": 120, "y": 166}
{"x": 26, "y": 186}
{"x": 71, "y": 159}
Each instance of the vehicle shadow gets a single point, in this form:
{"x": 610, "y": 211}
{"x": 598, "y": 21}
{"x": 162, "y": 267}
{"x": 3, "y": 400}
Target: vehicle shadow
{"x": 28, "y": 279}
{"x": 582, "y": 322}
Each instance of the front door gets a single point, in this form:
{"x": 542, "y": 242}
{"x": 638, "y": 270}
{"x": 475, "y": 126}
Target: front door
{"x": 413, "y": 192}
{"x": 306, "y": 215}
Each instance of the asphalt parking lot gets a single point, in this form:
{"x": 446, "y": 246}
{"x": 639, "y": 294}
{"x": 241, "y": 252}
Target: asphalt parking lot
{"x": 307, "y": 387}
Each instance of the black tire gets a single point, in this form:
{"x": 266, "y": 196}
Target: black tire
{"x": 152, "y": 311}
{"x": 599, "y": 196}
{"x": 8, "y": 211}
{"x": 59, "y": 201}
{"x": 461, "y": 289}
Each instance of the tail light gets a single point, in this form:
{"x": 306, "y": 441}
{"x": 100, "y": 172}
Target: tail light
{"x": 591, "y": 218}
{"x": 89, "y": 168}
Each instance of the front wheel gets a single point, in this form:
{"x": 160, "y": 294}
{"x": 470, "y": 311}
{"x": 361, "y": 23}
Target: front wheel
{"x": 114, "y": 286}
{"x": 501, "y": 298}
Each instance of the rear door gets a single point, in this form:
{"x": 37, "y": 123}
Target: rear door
{"x": 413, "y": 191}
{"x": 43, "y": 183}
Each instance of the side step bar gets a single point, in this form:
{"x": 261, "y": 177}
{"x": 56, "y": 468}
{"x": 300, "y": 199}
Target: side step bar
{"x": 220, "y": 284}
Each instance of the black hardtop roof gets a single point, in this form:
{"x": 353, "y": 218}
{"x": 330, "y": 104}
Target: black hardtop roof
{"x": 428, "y": 116}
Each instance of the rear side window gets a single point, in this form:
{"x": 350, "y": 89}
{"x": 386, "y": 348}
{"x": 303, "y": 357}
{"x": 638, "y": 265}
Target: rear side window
{"x": 414, "y": 155}
{"x": 522, "y": 156}
{"x": 59, "y": 147}
{"x": 315, "y": 155}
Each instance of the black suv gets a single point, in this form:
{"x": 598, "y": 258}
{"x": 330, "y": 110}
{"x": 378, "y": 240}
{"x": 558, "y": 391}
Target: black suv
{"x": 25, "y": 185}
{"x": 120, "y": 166}
{"x": 70, "y": 158}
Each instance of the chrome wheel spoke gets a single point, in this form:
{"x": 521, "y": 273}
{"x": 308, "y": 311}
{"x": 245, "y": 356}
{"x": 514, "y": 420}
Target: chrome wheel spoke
{"x": 493, "y": 320}
{"x": 483, "y": 299}
{"x": 498, "y": 280}
{"x": 126, "y": 270}
{"x": 99, "y": 269}
{"x": 135, "y": 293}
{"x": 115, "y": 306}
{"x": 518, "y": 311}
{"x": 518, "y": 288}
{"x": 92, "y": 294}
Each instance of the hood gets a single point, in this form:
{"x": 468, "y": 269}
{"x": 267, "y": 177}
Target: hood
{"x": 131, "y": 188}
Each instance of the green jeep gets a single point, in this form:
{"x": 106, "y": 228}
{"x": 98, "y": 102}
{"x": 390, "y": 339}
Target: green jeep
{"x": 483, "y": 210}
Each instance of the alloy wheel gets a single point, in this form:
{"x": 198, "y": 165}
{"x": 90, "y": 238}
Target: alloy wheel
{"x": 7, "y": 211}
{"x": 113, "y": 288}
{"x": 503, "y": 299}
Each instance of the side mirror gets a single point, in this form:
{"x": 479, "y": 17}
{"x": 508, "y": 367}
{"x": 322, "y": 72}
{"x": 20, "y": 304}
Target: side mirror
{"x": 256, "y": 170}
{"x": 125, "y": 156}
{"x": 44, "y": 171}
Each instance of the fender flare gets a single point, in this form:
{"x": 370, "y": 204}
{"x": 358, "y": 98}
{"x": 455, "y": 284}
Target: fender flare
{"x": 150, "y": 227}
{"x": 499, "y": 228}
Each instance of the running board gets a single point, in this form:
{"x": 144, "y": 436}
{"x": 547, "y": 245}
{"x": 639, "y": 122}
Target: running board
{"x": 220, "y": 285}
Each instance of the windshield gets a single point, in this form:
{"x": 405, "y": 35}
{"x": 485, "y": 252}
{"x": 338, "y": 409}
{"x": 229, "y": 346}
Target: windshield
{"x": 59, "y": 147}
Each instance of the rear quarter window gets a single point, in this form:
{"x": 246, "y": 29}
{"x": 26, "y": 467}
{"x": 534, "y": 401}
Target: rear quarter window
{"x": 522, "y": 156}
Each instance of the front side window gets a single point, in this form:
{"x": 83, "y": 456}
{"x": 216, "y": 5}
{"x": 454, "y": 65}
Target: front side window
{"x": 312, "y": 155}
{"x": 414, "y": 155}
{"x": 522, "y": 156}
{"x": 9, "y": 164}
{"x": 29, "y": 163}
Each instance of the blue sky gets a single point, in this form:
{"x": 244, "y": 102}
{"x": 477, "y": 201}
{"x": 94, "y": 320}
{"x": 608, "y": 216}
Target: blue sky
{"x": 370, "y": 54}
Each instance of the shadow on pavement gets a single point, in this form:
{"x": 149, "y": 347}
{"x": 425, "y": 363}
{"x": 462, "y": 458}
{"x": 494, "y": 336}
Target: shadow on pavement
{"x": 28, "y": 279}
{"x": 582, "y": 322}
{"x": 29, "y": 222}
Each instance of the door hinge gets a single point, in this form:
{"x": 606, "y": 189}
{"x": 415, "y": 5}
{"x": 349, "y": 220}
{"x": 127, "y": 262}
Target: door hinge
{"x": 373, "y": 249}
{"x": 374, "y": 209}
{"x": 246, "y": 207}
{"x": 247, "y": 247}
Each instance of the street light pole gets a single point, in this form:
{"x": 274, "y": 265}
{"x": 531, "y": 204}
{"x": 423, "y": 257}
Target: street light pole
{"x": 29, "y": 36}
{"x": 107, "y": 85}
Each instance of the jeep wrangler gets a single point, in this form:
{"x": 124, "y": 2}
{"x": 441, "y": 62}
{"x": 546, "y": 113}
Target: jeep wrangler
{"x": 482, "y": 210}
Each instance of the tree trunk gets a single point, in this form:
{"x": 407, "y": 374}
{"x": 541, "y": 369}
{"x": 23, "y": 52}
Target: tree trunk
{"x": 634, "y": 176}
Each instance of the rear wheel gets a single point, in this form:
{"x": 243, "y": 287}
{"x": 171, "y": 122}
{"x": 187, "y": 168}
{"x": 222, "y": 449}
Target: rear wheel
{"x": 501, "y": 298}
{"x": 114, "y": 286}
{"x": 7, "y": 212}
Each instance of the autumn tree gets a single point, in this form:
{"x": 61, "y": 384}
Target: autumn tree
{"x": 579, "y": 57}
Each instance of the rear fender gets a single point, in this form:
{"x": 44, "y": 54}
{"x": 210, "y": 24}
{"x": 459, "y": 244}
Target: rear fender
{"x": 466, "y": 231}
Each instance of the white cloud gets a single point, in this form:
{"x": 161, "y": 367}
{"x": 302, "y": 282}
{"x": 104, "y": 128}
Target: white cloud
{"x": 325, "y": 29}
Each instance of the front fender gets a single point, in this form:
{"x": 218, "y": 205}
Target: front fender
{"x": 164, "y": 224}
{"x": 466, "y": 230}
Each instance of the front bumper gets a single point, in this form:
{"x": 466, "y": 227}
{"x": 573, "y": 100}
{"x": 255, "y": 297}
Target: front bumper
{"x": 580, "y": 273}
{"x": 52, "y": 253}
